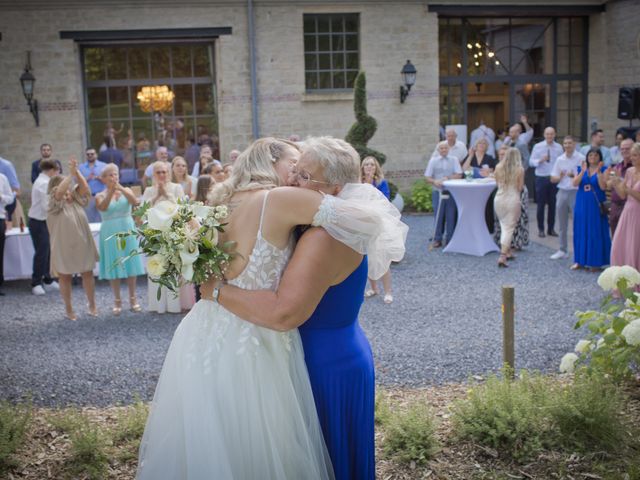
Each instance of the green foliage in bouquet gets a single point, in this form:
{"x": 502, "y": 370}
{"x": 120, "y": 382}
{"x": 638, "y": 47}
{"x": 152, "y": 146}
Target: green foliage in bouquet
{"x": 612, "y": 346}
{"x": 181, "y": 241}
{"x": 365, "y": 127}
{"x": 421, "y": 196}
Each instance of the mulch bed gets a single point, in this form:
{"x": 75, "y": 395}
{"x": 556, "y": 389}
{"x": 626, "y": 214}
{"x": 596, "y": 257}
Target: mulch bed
{"x": 46, "y": 450}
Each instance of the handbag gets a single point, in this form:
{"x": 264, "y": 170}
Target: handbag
{"x": 604, "y": 206}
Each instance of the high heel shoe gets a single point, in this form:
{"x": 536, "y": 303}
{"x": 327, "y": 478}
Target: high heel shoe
{"x": 71, "y": 316}
{"x": 117, "y": 308}
{"x": 134, "y": 305}
{"x": 92, "y": 312}
{"x": 502, "y": 261}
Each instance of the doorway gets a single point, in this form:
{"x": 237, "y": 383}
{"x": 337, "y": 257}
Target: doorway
{"x": 488, "y": 104}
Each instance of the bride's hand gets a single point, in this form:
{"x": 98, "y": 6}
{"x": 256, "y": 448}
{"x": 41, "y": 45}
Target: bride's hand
{"x": 206, "y": 289}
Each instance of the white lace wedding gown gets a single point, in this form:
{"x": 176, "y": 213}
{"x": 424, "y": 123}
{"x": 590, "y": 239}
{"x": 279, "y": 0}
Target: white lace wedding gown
{"x": 233, "y": 400}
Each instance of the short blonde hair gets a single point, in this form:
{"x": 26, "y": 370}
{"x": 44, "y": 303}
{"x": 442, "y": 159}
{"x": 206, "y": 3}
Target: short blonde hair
{"x": 155, "y": 166}
{"x": 108, "y": 168}
{"x": 339, "y": 161}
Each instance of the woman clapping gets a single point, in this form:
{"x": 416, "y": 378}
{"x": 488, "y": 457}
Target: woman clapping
{"x": 114, "y": 205}
{"x": 72, "y": 247}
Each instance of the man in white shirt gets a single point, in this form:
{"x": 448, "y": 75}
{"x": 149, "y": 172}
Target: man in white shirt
{"x": 440, "y": 168}
{"x": 38, "y": 228}
{"x": 562, "y": 174}
{"x": 6, "y": 198}
{"x": 488, "y": 134}
{"x": 543, "y": 158}
{"x": 457, "y": 148}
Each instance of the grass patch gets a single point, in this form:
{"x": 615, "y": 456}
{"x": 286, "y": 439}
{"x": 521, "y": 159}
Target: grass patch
{"x": 14, "y": 421}
{"x": 410, "y": 434}
{"x": 131, "y": 423}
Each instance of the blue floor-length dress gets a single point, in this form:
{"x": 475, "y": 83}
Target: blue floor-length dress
{"x": 591, "y": 239}
{"x": 340, "y": 364}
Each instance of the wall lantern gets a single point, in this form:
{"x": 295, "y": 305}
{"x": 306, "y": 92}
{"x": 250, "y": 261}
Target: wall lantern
{"x": 409, "y": 78}
{"x": 27, "y": 80}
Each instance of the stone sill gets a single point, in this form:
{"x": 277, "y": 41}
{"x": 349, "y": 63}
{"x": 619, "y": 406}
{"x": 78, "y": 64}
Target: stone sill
{"x": 327, "y": 97}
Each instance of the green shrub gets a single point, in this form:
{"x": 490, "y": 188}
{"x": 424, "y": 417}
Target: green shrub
{"x": 131, "y": 423}
{"x": 521, "y": 417}
{"x": 410, "y": 435}
{"x": 393, "y": 190}
{"x": 587, "y": 415}
{"x": 421, "y": 196}
{"x": 88, "y": 450}
{"x": 506, "y": 414}
{"x": 88, "y": 444}
{"x": 382, "y": 410}
{"x": 612, "y": 346}
{"x": 13, "y": 425}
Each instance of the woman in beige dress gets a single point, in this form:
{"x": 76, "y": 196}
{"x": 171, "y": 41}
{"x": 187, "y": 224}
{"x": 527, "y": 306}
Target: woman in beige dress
{"x": 73, "y": 249}
{"x": 163, "y": 189}
{"x": 509, "y": 176}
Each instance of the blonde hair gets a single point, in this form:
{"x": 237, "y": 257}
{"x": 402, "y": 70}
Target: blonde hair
{"x": 508, "y": 170}
{"x": 635, "y": 148}
{"x": 378, "y": 176}
{"x": 54, "y": 182}
{"x": 186, "y": 178}
{"x": 158, "y": 164}
{"x": 339, "y": 161}
{"x": 253, "y": 169}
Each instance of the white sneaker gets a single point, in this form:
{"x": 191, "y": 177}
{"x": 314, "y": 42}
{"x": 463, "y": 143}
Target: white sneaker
{"x": 38, "y": 290}
{"x": 559, "y": 254}
{"x": 52, "y": 286}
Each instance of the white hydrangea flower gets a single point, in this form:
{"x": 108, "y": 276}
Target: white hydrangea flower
{"x": 582, "y": 346}
{"x": 630, "y": 273}
{"x": 599, "y": 343}
{"x": 607, "y": 279}
{"x": 568, "y": 363}
{"x": 631, "y": 333}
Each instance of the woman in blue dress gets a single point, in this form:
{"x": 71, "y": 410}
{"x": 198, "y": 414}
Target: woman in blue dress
{"x": 591, "y": 239}
{"x": 321, "y": 292}
{"x": 371, "y": 172}
{"x": 114, "y": 205}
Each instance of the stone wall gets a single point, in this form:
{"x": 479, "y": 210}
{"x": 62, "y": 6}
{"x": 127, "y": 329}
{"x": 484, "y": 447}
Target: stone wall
{"x": 388, "y": 37}
{"x": 614, "y": 62}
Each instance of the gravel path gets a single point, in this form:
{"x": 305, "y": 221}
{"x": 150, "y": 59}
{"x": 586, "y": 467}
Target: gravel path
{"x": 443, "y": 326}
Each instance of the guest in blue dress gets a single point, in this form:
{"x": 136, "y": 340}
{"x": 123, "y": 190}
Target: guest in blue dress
{"x": 371, "y": 172}
{"x": 321, "y": 292}
{"x": 591, "y": 239}
{"x": 114, "y": 205}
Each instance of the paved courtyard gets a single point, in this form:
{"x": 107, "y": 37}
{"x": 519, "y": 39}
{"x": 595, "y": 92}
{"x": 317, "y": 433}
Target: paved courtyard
{"x": 444, "y": 326}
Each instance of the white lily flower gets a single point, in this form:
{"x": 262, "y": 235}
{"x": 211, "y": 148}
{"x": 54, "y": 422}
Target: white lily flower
{"x": 160, "y": 216}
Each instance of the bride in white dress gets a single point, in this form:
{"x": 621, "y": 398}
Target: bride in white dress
{"x": 233, "y": 400}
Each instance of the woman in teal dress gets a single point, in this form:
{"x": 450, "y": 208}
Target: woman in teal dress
{"x": 114, "y": 204}
{"x": 591, "y": 239}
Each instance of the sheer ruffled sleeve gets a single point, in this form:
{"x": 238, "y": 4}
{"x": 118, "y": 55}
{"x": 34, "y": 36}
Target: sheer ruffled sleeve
{"x": 362, "y": 218}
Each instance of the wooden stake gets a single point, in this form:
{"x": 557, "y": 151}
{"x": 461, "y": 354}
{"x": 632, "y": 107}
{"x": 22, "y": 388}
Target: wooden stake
{"x": 508, "y": 342}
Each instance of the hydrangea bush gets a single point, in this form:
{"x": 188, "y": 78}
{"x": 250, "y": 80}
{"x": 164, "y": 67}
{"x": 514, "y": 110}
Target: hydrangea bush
{"x": 613, "y": 343}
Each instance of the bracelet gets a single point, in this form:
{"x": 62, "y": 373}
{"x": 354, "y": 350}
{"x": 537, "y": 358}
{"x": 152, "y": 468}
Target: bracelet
{"x": 216, "y": 294}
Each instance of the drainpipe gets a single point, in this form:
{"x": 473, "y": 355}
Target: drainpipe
{"x": 252, "y": 60}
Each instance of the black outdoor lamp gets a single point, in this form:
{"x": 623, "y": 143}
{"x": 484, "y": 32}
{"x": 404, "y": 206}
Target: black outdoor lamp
{"x": 409, "y": 77}
{"x": 27, "y": 80}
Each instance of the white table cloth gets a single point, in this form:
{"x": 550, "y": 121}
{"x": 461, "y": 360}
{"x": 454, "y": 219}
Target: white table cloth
{"x": 471, "y": 235}
{"x": 18, "y": 253}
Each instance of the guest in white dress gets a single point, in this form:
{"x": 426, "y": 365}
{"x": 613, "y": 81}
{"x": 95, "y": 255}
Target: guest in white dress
{"x": 162, "y": 189}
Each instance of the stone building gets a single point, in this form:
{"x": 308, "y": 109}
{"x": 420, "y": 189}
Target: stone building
{"x": 239, "y": 69}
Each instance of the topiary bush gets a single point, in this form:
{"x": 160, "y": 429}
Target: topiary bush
{"x": 365, "y": 127}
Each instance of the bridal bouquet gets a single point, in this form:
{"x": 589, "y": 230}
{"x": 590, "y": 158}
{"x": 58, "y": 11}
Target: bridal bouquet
{"x": 182, "y": 242}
